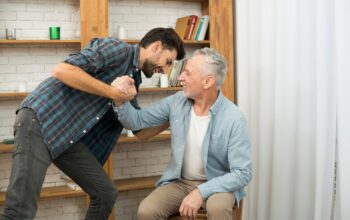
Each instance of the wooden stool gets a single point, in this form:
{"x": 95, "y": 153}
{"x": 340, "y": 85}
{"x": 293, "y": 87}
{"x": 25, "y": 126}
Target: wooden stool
{"x": 202, "y": 214}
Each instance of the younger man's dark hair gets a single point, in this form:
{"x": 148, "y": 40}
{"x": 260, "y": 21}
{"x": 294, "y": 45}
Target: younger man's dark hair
{"x": 169, "y": 39}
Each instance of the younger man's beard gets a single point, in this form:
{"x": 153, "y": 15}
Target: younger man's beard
{"x": 148, "y": 68}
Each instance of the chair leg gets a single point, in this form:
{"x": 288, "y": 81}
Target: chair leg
{"x": 237, "y": 212}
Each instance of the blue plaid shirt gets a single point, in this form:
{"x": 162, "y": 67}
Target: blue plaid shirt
{"x": 67, "y": 115}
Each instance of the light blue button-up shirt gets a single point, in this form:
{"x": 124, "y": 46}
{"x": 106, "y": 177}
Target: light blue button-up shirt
{"x": 226, "y": 145}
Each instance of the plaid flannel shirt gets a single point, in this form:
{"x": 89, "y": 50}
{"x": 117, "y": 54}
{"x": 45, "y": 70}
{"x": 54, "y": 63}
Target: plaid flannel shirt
{"x": 67, "y": 115}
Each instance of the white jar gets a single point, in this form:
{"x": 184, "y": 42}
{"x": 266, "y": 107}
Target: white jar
{"x": 164, "y": 82}
{"x": 22, "y": 87}
{"x": 122, "y": 33}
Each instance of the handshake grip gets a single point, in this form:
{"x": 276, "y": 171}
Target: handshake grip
{"x": 124, "y": 88}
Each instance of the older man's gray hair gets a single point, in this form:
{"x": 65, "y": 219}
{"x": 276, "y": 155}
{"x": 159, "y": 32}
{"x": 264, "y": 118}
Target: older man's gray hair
{"x": 215, "y": 64}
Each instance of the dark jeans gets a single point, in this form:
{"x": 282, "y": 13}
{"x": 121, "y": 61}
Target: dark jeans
{"x": 31, "y": 159}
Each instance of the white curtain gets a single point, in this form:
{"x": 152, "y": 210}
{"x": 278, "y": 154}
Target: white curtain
{"x": 342, "y": 39}
{"x": 288, "y": 58}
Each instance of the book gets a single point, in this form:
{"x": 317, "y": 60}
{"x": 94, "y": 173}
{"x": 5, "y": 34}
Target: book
{"x": 182, "y": 26}
{"x": 193, "y": 22}
{"x": 203, "y": 27}
{"x": 195, "y": 29}
{"x": 175, "y": 72}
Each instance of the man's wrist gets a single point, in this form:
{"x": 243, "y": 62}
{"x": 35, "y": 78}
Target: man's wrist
{"x": 117, "y": 104}
{"x": 113, "y": 93}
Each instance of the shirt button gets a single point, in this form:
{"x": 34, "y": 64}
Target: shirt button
{"x": 97, "y": 118}
{"x": 71, "y": 142}
{"x": 137, "y": 69}
{"x": 84, "y": 131}
{"x": 109, "y": 103}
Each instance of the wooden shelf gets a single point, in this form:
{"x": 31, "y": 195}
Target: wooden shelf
{"x": 123, "y": 139}
{"x": 78, "y": 42}
{"x": 122, "y": 185}
{"x": 186, "y": 42}
{"x": 5, "y": 96}
{"x": 197, "y": 42}
{"x": 158, "y": 89}
{"x": 52, "y": 192}
{"x": 136, "y": 183}
{"x": 46, "y": 42}
{"x": 6, "y": 148}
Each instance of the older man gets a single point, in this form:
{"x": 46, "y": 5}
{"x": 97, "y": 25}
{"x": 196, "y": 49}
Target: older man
{"x": 210, "y": 162}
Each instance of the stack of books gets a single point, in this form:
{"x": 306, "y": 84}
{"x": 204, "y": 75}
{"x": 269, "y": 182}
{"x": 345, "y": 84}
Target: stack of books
{"x": 192, "y": 27}
{"x": 176, "y": 70}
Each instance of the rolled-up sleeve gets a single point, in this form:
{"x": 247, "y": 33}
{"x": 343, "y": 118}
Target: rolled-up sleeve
{"x": 99, "y": 54}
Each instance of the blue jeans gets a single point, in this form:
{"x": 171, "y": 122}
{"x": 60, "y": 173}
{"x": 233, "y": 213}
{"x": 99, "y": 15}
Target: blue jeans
{"x": 31, "y": 159}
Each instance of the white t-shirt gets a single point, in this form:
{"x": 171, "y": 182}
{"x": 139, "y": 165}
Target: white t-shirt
{"x": 192, "y": 167}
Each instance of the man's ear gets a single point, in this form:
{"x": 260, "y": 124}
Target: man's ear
{"x": 209, "y": 82}
{"x": 157, "y": 45}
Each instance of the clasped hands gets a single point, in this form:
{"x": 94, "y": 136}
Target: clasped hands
{"x": 125, "y": 89}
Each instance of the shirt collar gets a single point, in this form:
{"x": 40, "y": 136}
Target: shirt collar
{"x": 215, "y": 107}
{"x": 136, "y": 58}
{"x": 217, "y": 104}
{"x": 136, "y": 75}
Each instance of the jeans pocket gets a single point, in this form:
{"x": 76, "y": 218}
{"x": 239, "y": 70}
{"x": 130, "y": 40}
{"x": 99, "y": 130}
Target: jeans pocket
{"x": 18, "y": 135}
{"x": 22, "y": 129}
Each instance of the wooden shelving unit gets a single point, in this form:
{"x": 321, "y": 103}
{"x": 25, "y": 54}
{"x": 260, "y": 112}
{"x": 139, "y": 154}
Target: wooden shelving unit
{"x": 41, "y": 42}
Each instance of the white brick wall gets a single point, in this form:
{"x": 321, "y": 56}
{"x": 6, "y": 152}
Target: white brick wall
{"x": 127, "y": 203}
{"x": 139, "y": 16}
{"x": 32, "y": 19}
{"x": 33, "y": 63}
{"x": 29, "y": 64}
{"x": 141, "y": 160}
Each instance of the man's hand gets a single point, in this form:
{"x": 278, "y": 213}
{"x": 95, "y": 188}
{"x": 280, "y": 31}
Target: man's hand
{"x": 123, "y": 83}
{"x": 125, "y": 89}
{"x": 190, "y": 204}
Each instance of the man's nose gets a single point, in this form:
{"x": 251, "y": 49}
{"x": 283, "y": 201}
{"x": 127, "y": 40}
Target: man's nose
{"x": 180, "y": 76}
